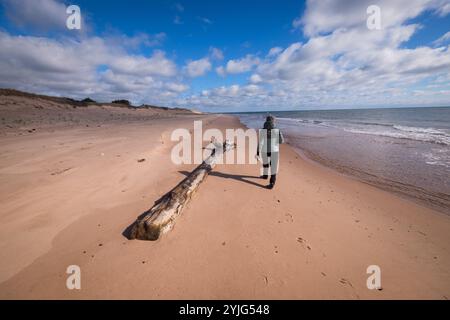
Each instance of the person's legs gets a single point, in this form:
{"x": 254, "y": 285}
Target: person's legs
{"x": 266, "y": 164}
{"x": 273, "y": 168}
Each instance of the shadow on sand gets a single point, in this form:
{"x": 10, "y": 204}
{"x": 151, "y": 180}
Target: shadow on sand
{"x": 238, "y": 177}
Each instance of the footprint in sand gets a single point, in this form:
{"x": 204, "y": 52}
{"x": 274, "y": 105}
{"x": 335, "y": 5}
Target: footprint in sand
{"x": 60, "y": 171}
{"x": 289, "y": 217}
{"x": 345, "y": 281}
{"x": 348, "y": 283}
{"x": 303, "y": 242}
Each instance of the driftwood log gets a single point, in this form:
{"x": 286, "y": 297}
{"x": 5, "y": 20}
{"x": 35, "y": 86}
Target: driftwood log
{"x": 161, "y": 217}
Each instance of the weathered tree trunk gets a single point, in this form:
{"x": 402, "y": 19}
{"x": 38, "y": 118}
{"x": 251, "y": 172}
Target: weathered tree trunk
{"x": 161, "y": 217}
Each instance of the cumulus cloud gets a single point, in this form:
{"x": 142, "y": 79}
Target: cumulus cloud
{"x": 328, "y": 15}
{"x": 40, "y": 14}
{"x": 274, "y": 51}
{"x": 89, "y": 67}
{"x": 232, "y": 91}
{"x": 176, "y": 87}
{"x": 255, "y": 78}
{"x": 242, "y": 65}
{"x": 343, "y": 63}
{"x": 138, "y": 65}
{"x": 198, "y": 67}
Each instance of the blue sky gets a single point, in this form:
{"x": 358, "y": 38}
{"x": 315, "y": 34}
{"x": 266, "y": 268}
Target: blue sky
{"x": 231, "y": 55}
{"x": 239, "y": 27}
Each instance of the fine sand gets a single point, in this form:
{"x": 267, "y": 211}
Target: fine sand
{"x": 69, "y": 191}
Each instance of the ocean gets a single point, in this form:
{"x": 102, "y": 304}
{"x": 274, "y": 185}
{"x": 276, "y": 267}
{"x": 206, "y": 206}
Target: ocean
{"x": 404, "y": 150}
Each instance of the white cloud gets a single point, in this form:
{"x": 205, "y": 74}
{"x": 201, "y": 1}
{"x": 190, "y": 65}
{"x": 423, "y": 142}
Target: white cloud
{"x": 198, "y": 68}
{"x": 343, "y": 63}
{"x": 443, "y": 39}
{"x": 443, "y": 7}
{"x": 40, "y": 14}
{"x": 176, "y": 87}
{"x": 156, "y": 65}
{"x": 255, "y": 78}
{"x": 216, "y": 53}
{"x": 328, "y": 15}
{"x": 221, "y": 71}
{"x": 89, "y": 67}
{"x": 223, "y": 91}
{"x": 252, "y": 89}
{"x": 274, "y": 51}
{"x": 242, "y": 65}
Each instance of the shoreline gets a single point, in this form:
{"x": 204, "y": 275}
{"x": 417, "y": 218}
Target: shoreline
{"x": 421, "y": 196}
{"x": 385, "y": 186}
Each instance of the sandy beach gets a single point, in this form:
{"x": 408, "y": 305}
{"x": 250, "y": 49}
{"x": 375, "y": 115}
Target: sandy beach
{"x": 70, "y": 188}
